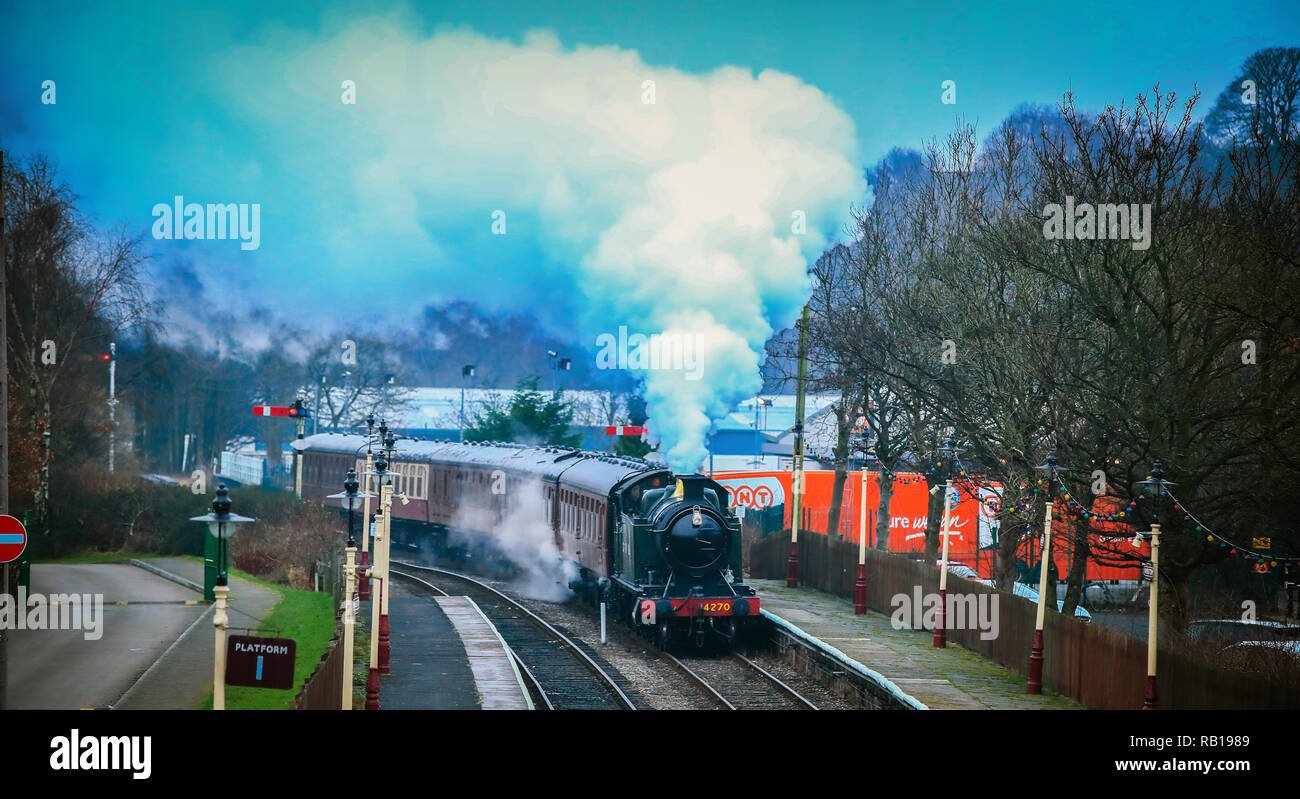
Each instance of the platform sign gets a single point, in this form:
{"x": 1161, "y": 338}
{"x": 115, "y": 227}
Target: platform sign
{"x": 624, "y": 430}
{"x": 259, "y": 662}
{"x": 13, "y": 538}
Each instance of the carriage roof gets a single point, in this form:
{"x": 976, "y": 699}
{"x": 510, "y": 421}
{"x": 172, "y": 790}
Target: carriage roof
{"x": 590, "y": 471}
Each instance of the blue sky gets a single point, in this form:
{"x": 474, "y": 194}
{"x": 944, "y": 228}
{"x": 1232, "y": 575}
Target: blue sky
{"x": 671, "y": 169}
{"x": 140, "y": 113}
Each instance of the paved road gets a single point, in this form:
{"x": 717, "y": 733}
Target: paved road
{"x": 62, "y": 669}
{"x": 181, "y": 678}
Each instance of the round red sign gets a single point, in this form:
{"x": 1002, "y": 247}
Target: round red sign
{"x": 13, "y": 538}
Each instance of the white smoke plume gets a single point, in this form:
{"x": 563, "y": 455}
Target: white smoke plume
{"x": 524, "y": 539}
{"x": 633, "y": 194}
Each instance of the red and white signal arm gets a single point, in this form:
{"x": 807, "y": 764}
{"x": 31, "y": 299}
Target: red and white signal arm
{"x": 13, "y": 538}
{"x": 624, "y": 430}
{"x": 274, "y": 410}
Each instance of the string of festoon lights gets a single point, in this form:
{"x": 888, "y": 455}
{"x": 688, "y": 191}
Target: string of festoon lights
{"x": 1025, "y": 502}
{"x": 1264, "y": 560}
{"x": 1261, "y": 559}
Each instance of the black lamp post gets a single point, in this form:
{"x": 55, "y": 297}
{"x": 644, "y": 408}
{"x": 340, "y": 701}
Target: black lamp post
{"x": 221, "y": 523}
{"x": 352, "y": 499}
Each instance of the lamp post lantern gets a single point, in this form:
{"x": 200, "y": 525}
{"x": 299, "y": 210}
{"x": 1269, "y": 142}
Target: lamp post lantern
{"x": 1157, "y": 479}
{"x": 222, "y": 524}
{"x": 1035, "y": 683}
{"x": 351, "y": 498}
{"x": 941, "y": 618}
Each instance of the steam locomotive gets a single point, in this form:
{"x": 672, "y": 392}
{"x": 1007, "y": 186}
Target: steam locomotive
{"x": 662, "y": 550}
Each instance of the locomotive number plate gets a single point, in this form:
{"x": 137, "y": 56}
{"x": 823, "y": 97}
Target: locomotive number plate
{"x": 717, "y": 607}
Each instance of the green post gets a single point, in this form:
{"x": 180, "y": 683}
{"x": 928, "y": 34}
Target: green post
{"x": 211, "y": 556}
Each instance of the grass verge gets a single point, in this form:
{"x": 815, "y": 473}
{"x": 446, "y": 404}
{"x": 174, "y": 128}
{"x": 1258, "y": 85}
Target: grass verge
{"x": 308, "y": 618}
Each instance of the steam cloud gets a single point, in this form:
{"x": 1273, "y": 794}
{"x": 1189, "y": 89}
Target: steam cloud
{"x": 668, "y": 217}
{"x": 524, "y": 539}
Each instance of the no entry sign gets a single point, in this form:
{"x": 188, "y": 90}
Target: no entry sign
{"x": 13, "y": 538}
{"x": 260, "y": 662}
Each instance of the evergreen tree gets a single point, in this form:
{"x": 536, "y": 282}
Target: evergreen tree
{"x": 530, "y": 418}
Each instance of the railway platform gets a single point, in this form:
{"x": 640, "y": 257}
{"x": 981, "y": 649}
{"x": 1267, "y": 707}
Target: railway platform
{"x": 447, "y": 656}
{"x": 951, "y": 678}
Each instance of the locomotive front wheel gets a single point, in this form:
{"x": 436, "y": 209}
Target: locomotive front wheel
{"x": 664, "y": 636}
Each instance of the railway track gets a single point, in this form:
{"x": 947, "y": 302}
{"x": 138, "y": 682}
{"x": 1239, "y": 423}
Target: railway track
{"x": 735, "y": 682}
{"x": 561, "y": 675}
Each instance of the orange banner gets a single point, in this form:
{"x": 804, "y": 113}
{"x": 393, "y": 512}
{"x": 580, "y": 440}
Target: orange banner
{"x": 972, "y": 529}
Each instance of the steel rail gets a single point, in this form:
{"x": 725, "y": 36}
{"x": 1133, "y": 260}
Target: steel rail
{"x": 792, "y": 692}
{"x": 700, "y": 681}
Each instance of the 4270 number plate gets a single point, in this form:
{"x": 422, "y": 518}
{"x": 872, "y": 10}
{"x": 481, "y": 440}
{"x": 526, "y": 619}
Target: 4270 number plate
{"x": 716, "y": 607}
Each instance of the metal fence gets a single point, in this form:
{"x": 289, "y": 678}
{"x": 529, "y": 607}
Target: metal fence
{"x": 254, "y": 470}
{"x": 1101, "y": 668}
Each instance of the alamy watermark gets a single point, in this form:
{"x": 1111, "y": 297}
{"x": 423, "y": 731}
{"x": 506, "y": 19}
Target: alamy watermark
{"x": 667, "y": 351}
{"x": 56, "y": 612}
{"x": 77, "y": 752}
{"x": 961, "y": 612}
{"x": 1105, "y": 221}
{"x": 182, "y": 220}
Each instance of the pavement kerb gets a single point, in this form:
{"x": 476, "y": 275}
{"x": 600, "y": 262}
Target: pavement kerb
{"x": 166, "y": 575}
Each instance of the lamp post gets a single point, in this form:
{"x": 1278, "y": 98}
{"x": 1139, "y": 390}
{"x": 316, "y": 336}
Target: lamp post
{"x": 1157, "y": 479}
{"x": 351, "y": 499}
{"x": 377, "y": 572}
{"x": 941, "y": 619}
{"x": 112, "y": 404}
{"x": 221, "y": 523}
{"x": 1035, "y": 683}
{"x": 363, "y": 583}
{"x": 559, "y": 363}
{"x": 796, "y": 481}
{"x": 860, "y": 587}
{"x": 466, "y": 373}
{"x": 349, "y": 621}
{"x": 383, "y": 542}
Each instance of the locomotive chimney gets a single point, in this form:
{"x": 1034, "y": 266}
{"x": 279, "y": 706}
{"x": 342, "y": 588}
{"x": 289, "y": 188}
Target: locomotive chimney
{"x": 691, "y": 487}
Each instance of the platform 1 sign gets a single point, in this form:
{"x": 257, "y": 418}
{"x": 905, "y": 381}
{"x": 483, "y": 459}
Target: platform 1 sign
{"x": 259, "y": 662}
{"x": 13, "y": 538}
